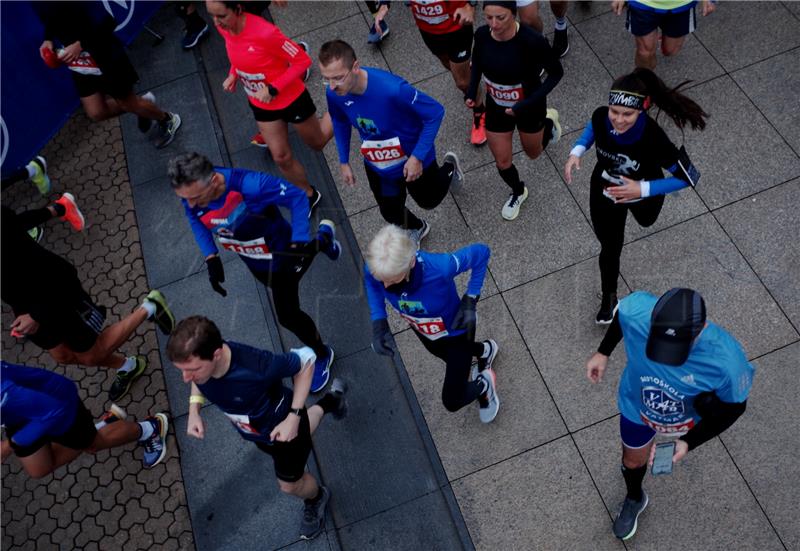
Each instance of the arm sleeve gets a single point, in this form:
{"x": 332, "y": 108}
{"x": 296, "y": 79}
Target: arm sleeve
{"x": 430, "y": 111}
{"x": 475, "y": 74}
{"x": 662, "y": 186}
{"x": 342, "y": 130}
{"x": 201, "y": 234}
{"x": 473, "y": 257}
{"x": 39, "y": 424}
{"x": 612, "y": 337}
{"x": 269, "y": 189}
{"x": 584, "y": 142}
{"x": 375, "y": 296}
{"x": 541, "y": 49}
{"x": 715, "y": 421}
{"x": 291, "y": 52}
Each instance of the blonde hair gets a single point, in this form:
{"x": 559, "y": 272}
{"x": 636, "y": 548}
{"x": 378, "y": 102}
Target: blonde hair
{"x": 390, "y": 253}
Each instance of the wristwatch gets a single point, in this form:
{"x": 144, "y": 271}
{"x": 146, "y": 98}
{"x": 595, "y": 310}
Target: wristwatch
{"x": 296, "y": 411}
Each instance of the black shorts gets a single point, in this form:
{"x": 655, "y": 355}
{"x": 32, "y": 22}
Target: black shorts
{"x": 457, "y": 45}
{"x": 117, "y": 80}
{"x": 297, "y": 111}
{"x": 79, "y": 435}
{"x": 672, "y": 24}
{"x": 77, "y": 327}
{"x": 290, "y": 458}
{"x": 530, "y": 121}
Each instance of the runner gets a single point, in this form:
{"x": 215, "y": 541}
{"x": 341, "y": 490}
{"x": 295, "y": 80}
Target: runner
{"x": 446, "y": 29}
{"x": 685, "y": 377}
{"x": 48, "y": 426}
{"x": 397, "y": 125}
{"x": 674, "y": 18}
{"x": 100, "y": 68}
{"x": 632, "y": 150}
{"x": 529, "y": 15}
{"x": 35, "y": 171}
{"x": 53, "y": 311}
{"x": 510, "y": 57}
{"x": 421, "y": 287}
{"x": 240, "y": 207}
{"x": 271, "y": 68}
{"x": 246, "y": 384}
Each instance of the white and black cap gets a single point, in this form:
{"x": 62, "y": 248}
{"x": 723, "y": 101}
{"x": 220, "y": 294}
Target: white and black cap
{"x": 678, "y": 317}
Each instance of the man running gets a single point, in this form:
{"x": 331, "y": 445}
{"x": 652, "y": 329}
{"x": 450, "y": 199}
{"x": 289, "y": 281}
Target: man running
{"x": 446, "y": 29}
{"x": 52, "y": 309}
{"x": 246, "y": 384}
{"x": 685, "y": 377}
{"x": 48, "y": 426}
{"x": 397, "y": 125}
{"x": 240, "y": 208}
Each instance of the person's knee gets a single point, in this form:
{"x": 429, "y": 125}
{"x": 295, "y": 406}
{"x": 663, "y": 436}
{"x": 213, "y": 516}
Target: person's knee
{"x": 503, "y": 163}
{"x": 645, "y": 48}
{"x": 462, "y": 81}
{"x": 283, "y": 157}
{"x": 671, "y": 47}
{"x": 534, "y": 151}
{"x": 62, "y": 355}
{"x": 96, "y": 114}
{"x": 633, "y": 461}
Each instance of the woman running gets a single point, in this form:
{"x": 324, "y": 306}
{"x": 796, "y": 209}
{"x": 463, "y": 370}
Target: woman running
{"x": 510, "y": 58}
{"x": 632, "y": 150}
{"x": 271, "y": 68}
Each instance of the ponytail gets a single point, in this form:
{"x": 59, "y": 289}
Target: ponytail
{"x": 680, "y": 108}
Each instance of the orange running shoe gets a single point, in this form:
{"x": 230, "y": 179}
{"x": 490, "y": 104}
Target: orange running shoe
{"x": 478, "y": 132}
{"x": 73, "y": 214}
{"x": 258, "y": 140}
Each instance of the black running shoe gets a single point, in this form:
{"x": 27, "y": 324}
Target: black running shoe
{"x": 560, "y": 42}
{"x": 628, "y": 517}
{"x": 608, "y": 306}
{"x": 314, "y": 516}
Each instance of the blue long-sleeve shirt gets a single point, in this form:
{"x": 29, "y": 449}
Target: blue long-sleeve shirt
{"x": 248, "y": 212}
{"x": 431, "y": 294}
{"x": 390, "y": 108}
{"x": 36, "y": 403}
{"x": 661, "y": 186}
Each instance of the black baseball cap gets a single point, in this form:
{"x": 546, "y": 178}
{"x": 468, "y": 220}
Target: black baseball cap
{"x": 678, "y": 317}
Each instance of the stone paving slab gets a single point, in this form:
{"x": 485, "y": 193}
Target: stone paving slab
{"x": 705, "y": 503}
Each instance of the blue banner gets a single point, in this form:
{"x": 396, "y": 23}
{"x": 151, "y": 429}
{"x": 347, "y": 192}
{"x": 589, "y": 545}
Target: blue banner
{"x": 36, "y": 100}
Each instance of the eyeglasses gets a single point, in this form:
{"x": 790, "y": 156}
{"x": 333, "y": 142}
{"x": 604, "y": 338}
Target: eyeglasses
{"x": 333, "y": 82}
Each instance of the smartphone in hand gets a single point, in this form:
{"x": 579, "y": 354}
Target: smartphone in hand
{"x": 662, "y": 461}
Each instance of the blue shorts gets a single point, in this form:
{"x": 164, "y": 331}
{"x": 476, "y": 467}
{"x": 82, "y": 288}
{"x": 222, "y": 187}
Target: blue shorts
{"x": 635, "y": 435}
{"x": 673, "y": 24}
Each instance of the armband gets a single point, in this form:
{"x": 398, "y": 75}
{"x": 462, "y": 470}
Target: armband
{"x": 197, "y": 399}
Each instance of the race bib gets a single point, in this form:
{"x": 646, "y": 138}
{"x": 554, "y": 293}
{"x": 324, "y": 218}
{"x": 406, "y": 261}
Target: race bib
{"x": 256, "y": 248}
{"x": 675, "y": 429}
{"x": 252, "y": 82}
{"x": 383, "y": 154}
{"x": 242, "y": 424}
{"x": 505, "y": 95}
{"x": 85, "y": 64}
{"x": 431, "y": 12}
{"x": 432, "y": 328}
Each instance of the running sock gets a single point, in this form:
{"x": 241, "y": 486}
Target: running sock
{"x": 561, "y": 24}
{"x": 328, "y": 403}
{"x": 314, "y": 500}
{"x": 150, "y": 307}
{"x": 633, "y": 481}
{"x": 59, "y": 208}
{"x": 511, "y": 177}
{"x": 130, "y": 363}
{"x": 147, "y": 430}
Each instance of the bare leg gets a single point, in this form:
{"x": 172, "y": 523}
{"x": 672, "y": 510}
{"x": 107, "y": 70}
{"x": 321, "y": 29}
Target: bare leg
{"x": 305, "y": 488}
{"x": 316, "y": 133}
{"x": 501, "y": 147}
{"x": 559, "y": 7}
{"x": 276, "y": 135}
{"x": 99, "y": 108}
{"x": 529, "y": 15}
{"x": 116, "y": 434}
{"x": 671, "y": 46}
{"x": 646, "y": 50}
{"x": 141, "y": 107}
{"x": 532, "y": 143}
{"x": 47, "y": 459}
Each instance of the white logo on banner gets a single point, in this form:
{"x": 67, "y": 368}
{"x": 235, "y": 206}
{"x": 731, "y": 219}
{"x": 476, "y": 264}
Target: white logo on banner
{"x": 125, "y": 5}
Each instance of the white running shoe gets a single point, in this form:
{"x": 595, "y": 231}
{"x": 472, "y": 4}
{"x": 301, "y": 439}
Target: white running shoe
{"x": 511, "y": 207}
{"x": 489, "y": 402}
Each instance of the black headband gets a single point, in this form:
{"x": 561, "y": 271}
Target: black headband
{"x": 509, "y": 5}
{"x": 628, "y": 99}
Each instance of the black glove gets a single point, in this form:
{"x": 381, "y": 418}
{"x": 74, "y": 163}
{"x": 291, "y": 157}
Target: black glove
{"x": 466, "y": 317}
{"x": 216, "y": 274}
{"x": 382, "y": 341}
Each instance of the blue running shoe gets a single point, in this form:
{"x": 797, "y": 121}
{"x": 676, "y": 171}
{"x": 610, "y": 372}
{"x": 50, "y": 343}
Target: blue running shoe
{"x": 322, "y": 371}
{"x": 374, "y": 37}
{"x": 155, "y": 447}
{"x": 327, "y": 236}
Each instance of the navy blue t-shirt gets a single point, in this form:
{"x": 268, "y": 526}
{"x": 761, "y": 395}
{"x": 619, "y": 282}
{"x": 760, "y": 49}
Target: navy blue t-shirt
{"x": 251, "y": 394}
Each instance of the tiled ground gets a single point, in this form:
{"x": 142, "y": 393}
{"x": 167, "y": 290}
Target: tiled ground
{"x": 107, "y": 501}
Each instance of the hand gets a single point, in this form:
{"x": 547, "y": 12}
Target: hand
{"x": 195, "y": 427}
{"x": 229, "y": 84}
{"x": 412, "y": 170}
{"x": 466, "y": 317}
{"x": 465, "y": 15}
{"x": 510, "y": 112}
{"x": 286, "y": 431}
{"x": 596, "y": 366}
{"x": 708, "y": 7}
{"x": 263, "y": 95}
{"x": 25, "y": 325}
{"x": 46, "y": 45}
{"x": 469, "y": 103}
{"x": 216, "y": 274}
{"x": 379, "y": 16}
{"x": 632, "y": 189}
{"x": 572, "y": 162}
{"x": 70, "y": 53}
{"x": 382, "y": 341}
{"x": 681, "y": 449}
{"x": 347, "y": 174}
{"x": 617, "y": 6}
